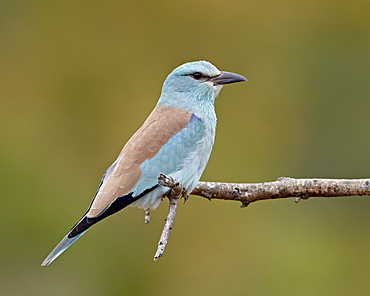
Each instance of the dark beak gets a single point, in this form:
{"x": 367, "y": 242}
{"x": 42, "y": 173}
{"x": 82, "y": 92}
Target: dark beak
{"x": 227, "y": 78}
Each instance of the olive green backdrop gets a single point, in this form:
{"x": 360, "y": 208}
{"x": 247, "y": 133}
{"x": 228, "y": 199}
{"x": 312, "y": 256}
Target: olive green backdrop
{"x": 77, "y": 78}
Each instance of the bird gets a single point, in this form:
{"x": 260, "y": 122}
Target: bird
{"x": 176, "y": 139}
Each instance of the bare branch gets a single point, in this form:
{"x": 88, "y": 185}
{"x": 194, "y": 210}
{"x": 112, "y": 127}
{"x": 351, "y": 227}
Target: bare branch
{"x": 247, "y": 193}
{"x": 173, "y": 195}
{"x": 282, "y": 188}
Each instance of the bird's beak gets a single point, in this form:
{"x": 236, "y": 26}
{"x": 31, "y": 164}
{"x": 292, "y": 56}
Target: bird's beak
{"x": 227, "y": 77}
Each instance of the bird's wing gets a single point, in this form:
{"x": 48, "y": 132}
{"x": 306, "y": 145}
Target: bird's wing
{"x": 152, "y": 144}
{"x": 165, "y": 142}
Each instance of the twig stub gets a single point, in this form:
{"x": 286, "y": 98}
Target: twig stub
{"x": 147, "y": 216}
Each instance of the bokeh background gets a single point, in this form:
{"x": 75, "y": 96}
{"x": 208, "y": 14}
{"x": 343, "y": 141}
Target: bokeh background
{"x": 77, "y": 78}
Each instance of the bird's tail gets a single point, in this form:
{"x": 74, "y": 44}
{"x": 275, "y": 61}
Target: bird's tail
{"x": 86, "y": 222}
{"x": 60, "y": 248}
{"x": 67, "y": 241}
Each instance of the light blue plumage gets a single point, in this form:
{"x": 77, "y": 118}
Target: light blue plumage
{"x": 182, "y": 148}
{"x": 176, "y": 140}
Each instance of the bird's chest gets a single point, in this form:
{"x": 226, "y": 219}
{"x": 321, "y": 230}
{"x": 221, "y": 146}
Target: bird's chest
{"x": 205, "y": 147}
{"x": 192, "y": 170}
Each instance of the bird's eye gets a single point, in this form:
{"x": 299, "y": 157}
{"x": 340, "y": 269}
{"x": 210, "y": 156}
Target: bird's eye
{"x": 197, "y": 75}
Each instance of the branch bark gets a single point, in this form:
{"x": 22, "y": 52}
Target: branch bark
{"x": 247, "y": 193}
{"x": 282, "y": 188}
{"x": 176, "y": 192}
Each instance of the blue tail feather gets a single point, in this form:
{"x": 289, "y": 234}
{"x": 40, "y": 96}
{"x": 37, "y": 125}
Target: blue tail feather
{"x": 60, "y": 248}
{"x": 86, "y": 222}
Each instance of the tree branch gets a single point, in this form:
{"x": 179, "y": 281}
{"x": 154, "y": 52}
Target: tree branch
{"x": 173, "y": 195}
{"x": 247, "y": 193}
{"x": 282, "y": 188}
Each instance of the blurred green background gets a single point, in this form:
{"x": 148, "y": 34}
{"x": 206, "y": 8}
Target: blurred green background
{"x": 77, "y": 78}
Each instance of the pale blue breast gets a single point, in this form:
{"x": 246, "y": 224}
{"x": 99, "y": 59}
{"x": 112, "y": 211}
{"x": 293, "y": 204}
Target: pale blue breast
{"x": 184, "y": 157}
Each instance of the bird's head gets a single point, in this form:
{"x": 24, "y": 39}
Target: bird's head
{"x": 195, "y": 83}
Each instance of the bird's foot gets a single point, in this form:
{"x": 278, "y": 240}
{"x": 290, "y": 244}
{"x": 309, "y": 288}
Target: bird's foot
{"x": 170, "y": 182}
{"x": 185, "y": 195}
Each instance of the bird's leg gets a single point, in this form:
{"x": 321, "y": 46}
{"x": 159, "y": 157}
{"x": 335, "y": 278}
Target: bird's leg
{"x": 175, "y": 192}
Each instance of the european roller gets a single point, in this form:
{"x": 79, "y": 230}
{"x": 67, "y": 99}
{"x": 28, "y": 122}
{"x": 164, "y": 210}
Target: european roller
{"x": 176, "y": 139}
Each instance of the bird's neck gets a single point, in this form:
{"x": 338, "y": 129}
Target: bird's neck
{"x": 201, "y": 106}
